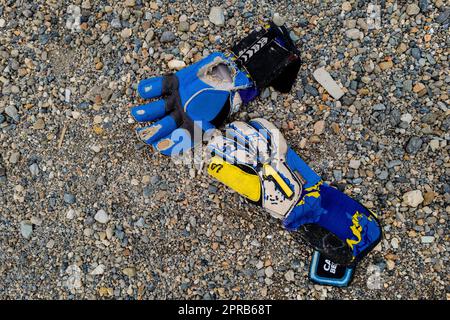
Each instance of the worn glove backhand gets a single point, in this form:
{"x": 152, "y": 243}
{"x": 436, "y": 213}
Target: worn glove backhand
{"x": 197, "y": 94}
{"x": 254, "y": 159}
{"x": 201, "y": 96}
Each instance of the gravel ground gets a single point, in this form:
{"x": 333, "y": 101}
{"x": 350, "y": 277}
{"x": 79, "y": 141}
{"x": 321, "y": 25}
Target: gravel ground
{"x": 89, "y": 212}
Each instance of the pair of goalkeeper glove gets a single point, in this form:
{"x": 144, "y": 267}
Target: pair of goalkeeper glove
{"x": 253, "y": 158}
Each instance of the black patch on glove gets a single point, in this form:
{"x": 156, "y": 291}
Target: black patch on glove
{"x": 270, "y": 57}
{"x": 326, "y": 242}
{"x": 173, "y": 105}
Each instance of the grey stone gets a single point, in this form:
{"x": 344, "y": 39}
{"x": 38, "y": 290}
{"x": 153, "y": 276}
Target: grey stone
{"x": 337, "y": 175}
{"x": 423, "y": 5}
{"x": 407, "y": 85}
{"x": 379, "y": 107}
{"x": 12, "y": 112}
{"x": 269, "y": 271}
{"x": 26, "y": 229}
{"x": 116, "y": 24}
{"x": 183, "y": 26}
{"x": 216, "y": 16}
{"x": 353, "y": 34}
{"x": 101, "y": 216}
{"x": 427, "y": 239}
{"x": 430, "y": 118}
{"x": 155, "y": 179}
{"x": 443, "y": 16}
{"x": 167, "y": 36}
{"x": 414, "y": 145}
{"x": 34, "y": 169}
{"x": 265, "y": 94}
{"x": 289, "y": 275}
{"x": 106, "y": 39}
{"x": 383, "y": 175}
{"x": 311, "y": 90}
{"x": 415, "y": 52}
{"x": 69, "y": 198}
{"x": 355, "y": 164}
{"x": 14, "y": 158}
{"x": 278, "y": 19}
{"x": 393, "y": 163}
{"x": 412, "y": 9}
{"x": 293, "y": 36}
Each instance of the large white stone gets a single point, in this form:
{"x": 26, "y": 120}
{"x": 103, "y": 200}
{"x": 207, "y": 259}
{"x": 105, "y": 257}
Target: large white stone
{"x": 326, "y": 81}
{"x": 413, "y": 198}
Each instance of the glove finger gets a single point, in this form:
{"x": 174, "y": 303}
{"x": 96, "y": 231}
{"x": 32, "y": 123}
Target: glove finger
{"x": 150, "y": 111}
{"x": 231, "y": 151}
{"x": 175, "y": 143}
{"x": 272, "y": 134}
{"x": 222, "y": 147}
{"x": 182, "y": 139}
{"x": 248, "y": 136}
{"x": 150, "y": 88}
{"x": 157, "y": 130}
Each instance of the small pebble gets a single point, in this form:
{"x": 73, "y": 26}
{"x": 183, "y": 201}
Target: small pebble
{"x": 427, "y": 239}
{"x": 414, "y": 145}
{"x": 101, "y": 216}
{"x": 176, "y": 64}
{"x": 126, "y": 33}
{"x": 216, "y": 16}
{"x": 167, "y": 36}
{"x": 412, "y": 9}
{"x": 289, "y": 275}
{"x": 34, "y": 169}
{"x": 130, "y": 272}
{"x": 26, "y": 229}
{"x": 354, "y": 34}
{"x": 12, "y": 112}
{"x": 69, "y": 198}
{"x": 354, "y": 164}
{"x": 278, "y": 20}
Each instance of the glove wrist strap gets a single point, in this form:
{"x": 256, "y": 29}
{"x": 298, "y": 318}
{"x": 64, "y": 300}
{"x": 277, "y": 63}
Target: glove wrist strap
{"x": 270, "y": 57}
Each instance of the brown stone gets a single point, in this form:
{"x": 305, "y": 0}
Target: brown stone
{"x": 335, "y": 128}
{"x": 428, "y": 197}
{"x": 39, "y": 124}
{"x": 419, "y": 86}
{"x": 386, "y": 65}
{"x": 314, "y": 139}
{"x": 319, "y": 127}
{"x": 402, "y": 48}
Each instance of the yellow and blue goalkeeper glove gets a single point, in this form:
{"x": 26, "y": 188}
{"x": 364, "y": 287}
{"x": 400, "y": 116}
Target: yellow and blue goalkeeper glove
{"x": 254, "y": 159}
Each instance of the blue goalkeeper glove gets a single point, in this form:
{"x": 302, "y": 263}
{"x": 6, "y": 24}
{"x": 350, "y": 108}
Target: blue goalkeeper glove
{"x": 201, "y": 96}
